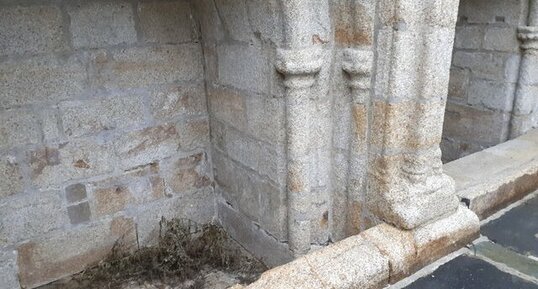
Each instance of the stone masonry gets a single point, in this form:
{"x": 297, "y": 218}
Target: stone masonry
{"x": 103, "y": 130}
{"x": 492, "y": 94}
{"x": 294, "y": 124}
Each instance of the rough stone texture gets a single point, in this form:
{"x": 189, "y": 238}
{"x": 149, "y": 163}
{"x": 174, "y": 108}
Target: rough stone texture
{"x": 49, "y": 258}
{"x": 493, "y": 178}
{"x": 29, "y": 216}
{"x": 97, "y": 115}
{"x": 41, "y": 79}
{"x": 9, "y": 270}
{"x": 50, "y": 166}
{"x": 397, "y": 246}
{"x": 102, "y": 115}
{"x": 443, "y": 236}
{"x": 11, "y": 177}
{"x": 18, "y": 127}
{"x": 351, "y": 263}
{"x": 265, "y": 247}
{"x": 95, "y": 24}
{"x": 178, "y": 101}
{"x": 471, "y": 130}
{"x": 309, "y": 138}
{"x": 485, "y": 71}
{"x": 79, "y": 213}
{"x": 75, "y": 193}
{"x": 167, "y": 22}
{"x": 143, "y": 66}
{"x": 148, "y": 145}
{"x": 35, "y": 29}
{"x": 188, "y": 174}
{"x": 250, "y": 58}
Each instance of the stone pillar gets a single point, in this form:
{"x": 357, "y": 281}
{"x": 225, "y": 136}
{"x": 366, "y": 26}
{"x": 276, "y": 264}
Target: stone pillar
{"x": 407, "y": 187}
{"x": 527, "y": 87}
{"x": 299, "y": 62}
{"x": 357, "y": 64}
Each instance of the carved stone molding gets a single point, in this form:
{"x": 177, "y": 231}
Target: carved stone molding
{"x": 300, "y": 68}
{"x": 358, "y": 65}
{"x": 528, "y": 35}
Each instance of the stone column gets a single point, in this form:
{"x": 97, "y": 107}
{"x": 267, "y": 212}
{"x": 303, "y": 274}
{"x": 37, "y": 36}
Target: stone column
{"x": 407, "y": 187}
{"x": 299, "y": 62}
{"x": 527, "y": 87}
{"x": 357, "y": 64}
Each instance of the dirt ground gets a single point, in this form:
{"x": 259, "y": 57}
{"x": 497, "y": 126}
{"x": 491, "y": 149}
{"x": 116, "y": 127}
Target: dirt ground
{"x": 187, "y": 256}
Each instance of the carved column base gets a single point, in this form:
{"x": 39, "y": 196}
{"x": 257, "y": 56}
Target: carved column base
{"x": 410, "y": 205}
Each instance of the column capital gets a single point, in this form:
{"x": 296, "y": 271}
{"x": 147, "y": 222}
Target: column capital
{"x": 358, "y": 65}
{"x": 529, "y": 37}
{"x": 299, "y": 66}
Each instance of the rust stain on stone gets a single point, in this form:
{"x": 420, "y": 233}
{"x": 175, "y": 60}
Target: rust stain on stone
{"x": 324, "y": 222}
{"x": 42, "y": 158}
{"x": 121, "y": 226}
{"x": 152, "y": 137}
{"x": 189, "y": 174}
{"x": 510, "y": 192}
{"x": 191, "y": 161}
{"x": 360, "y": 119}
{"x": 354, "y": 218}
{"x": 157, "y": 187}
{"x": 81, "y": 164}
{"x": 316, "y": 39}
{"x": 33, "y": 270}
{"x": 294, "y": 182}
{"x": 353, "y": 25}
{"x": 113, "y": 199}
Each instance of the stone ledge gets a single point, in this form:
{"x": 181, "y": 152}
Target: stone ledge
{"x": 493, "y": 178}
{"x": 374, "y": 258}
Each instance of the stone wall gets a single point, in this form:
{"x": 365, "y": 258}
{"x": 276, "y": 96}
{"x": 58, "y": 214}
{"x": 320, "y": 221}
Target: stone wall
{"x": 103, "y": 129}
{"x": 246, "y": 111}
{"x": 484, "y": 76}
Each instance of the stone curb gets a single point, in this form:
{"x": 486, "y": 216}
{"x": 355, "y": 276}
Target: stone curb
{"x": 376, "y": 257}
{"x": 493, "y": 178}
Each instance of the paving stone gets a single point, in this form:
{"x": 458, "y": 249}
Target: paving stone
{"x": 466, "y": 272}
{"x": 517, "y": 229}
{"x": 508, "y": 257}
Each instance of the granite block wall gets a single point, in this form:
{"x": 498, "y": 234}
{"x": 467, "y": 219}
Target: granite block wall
{"x": 104, "y": 128}
{"x": 483, "y": 76}
{"x": 247, "y": 118}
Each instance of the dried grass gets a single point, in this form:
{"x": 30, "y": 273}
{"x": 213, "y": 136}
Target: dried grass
{"x": 184, "y": 250}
